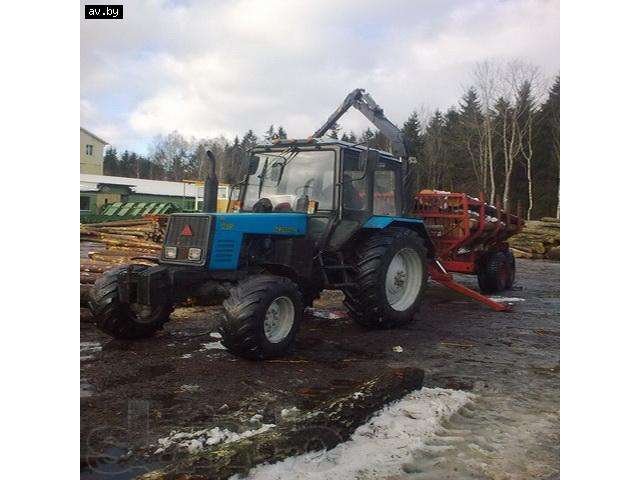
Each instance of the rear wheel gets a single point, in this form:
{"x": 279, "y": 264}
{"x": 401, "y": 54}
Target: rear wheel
{"x": 512, "y": 269}
{"x": 124, "y": 321}
{"x": 391, "y": 275}
{"x": 262, "y": 316}
{"x": 496, "y": 272}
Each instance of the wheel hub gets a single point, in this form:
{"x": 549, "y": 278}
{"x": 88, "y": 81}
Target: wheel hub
{"x": 403, "y": 280}
{"x": 278, "y": 319}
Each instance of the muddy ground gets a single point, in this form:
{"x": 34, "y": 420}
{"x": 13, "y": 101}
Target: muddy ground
{"x": 133, "y": 393}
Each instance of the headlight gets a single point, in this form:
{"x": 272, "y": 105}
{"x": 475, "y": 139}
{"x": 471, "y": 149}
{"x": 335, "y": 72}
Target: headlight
{"x": 170, "y": 252}
{"x": 195, "y": 253}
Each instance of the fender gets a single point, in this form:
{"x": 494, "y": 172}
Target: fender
{"x": 379, "y": 222}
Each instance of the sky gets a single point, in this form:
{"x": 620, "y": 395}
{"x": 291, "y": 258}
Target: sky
{"x": 219, "y": 67}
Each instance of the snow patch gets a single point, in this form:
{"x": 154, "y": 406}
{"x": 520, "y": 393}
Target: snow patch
{"x": 215, "y": 335}
{"x": 322, "y": 313}
{"x": 289, "y": 412}
{"x": 507, "y": 299}
{"x": 257, "y": 418}
{"x": 193, "y": 442}
{"x": 378, "y": 448}
{"x": 87, "y": 349}
{"x": 212, "y": 346}
{"x": 190, "y": 388}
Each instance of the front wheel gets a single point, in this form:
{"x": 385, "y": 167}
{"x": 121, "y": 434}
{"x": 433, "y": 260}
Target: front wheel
{"x": 390, "y": 279}
{"x": 124, "y": 321}
{"x": 261, "y": 317}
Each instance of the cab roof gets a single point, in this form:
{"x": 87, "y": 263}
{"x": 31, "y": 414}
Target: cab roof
{"x": 320, "y": 142}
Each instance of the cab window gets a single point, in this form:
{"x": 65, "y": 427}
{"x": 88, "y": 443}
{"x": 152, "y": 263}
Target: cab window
{"x": 385, "y": 186}
{"x": 354, "y": 187}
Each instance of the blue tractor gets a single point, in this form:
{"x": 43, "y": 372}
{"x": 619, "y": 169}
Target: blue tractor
{"x": 310, "y": 215}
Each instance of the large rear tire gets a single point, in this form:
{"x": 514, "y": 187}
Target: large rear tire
{"x": 391, "y": 276}
{"x": 124, "y": 321}
{"x": 261, "y": 317}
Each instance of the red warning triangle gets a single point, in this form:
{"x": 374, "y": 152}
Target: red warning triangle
{"x": 186, "y": 231}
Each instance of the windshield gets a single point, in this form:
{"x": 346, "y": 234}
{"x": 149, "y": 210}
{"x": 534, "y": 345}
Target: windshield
{"x": 289, "y": 180}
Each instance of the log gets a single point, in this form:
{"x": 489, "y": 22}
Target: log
{"x": 129, "y": 233}
{"x": 535, "y": 247}
{"x": 120, "y": 223}
{"x": 111, "y": 259}
{"x": 115, "y": 261}
{"x": 122, "y": 243}
{"x": 521, "y": 253}
{"x": 111, "y": 236}
{"x": 94, "y": 266}
{"x": 333, "y": 422}
{"x": 128, "y": 252}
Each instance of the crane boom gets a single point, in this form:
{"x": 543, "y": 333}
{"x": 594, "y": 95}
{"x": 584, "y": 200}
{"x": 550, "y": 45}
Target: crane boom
{"x": 369, "y": 108}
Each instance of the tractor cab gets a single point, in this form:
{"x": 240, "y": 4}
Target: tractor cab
{"x": 340, "y": 185}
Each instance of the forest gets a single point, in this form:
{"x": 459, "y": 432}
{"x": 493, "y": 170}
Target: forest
{"x": 501, "y": 139}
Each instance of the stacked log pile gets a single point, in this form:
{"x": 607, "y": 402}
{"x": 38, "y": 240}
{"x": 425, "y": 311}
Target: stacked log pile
{"x": 106, "y": 245}
{"x": 538, "y": 239}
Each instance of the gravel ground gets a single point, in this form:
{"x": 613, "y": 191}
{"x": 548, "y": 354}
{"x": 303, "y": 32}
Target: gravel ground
{"x": 133, "y": 393}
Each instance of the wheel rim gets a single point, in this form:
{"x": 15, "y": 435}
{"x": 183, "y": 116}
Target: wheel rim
{"x": 404, "y": 279}
{"x": 278, "y": 319}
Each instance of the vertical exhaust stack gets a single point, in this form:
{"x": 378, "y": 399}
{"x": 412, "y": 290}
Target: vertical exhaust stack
{"x": 210, "y": 204}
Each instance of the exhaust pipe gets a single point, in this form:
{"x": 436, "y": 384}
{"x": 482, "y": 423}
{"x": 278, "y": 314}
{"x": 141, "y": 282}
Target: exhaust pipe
{"x": 210, "y": 203}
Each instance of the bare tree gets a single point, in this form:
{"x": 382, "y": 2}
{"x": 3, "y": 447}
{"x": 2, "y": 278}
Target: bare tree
{"x": 172, "y": 152}
{"x": 521, "y": 85}
{"x": 486, "y": 76}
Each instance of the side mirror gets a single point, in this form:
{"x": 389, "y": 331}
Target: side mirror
{"x": 254, "y": 161}
{"x": 368, "y": 161}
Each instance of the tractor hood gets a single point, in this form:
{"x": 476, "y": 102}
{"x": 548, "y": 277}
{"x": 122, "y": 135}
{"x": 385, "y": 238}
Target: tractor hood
{"x": 283, "y": 223}
{"x": 220, "y": 236}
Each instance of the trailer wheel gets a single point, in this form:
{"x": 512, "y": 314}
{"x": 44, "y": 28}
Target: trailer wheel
{"x": 496, "y": 272}
{"x": 512, "y": 269}
{"x": 119, "y": 320}
{"x": 262, "y": 316}
{"x": 391, "y": 276}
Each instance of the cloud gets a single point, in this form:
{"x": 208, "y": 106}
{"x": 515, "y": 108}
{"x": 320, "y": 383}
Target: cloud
{"x": 221, "y": 67}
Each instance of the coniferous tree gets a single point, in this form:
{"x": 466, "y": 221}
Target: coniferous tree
{"x": 110, "y": 162}
{"x": 367, "y": 136}
{"x": 249, "y": 141}
{"x": 270, "y": 133}
{"x": 413, "y": 134}
{"x": 349, "y": 137}
{"x": 282, "y": 133}
{"x": 125, "y": 164}
{"x": 546, "y": 158}
{"x": 470, "y": 137}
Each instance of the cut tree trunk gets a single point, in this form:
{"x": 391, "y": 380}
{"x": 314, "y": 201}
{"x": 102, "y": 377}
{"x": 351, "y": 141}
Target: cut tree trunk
{"x": 330, "y": 424}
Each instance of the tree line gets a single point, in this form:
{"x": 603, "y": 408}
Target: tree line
{"x": 502, "y": 139}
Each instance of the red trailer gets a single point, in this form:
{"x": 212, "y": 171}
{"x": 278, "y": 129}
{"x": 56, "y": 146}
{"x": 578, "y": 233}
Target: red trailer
{"x": 471, "y": 238}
